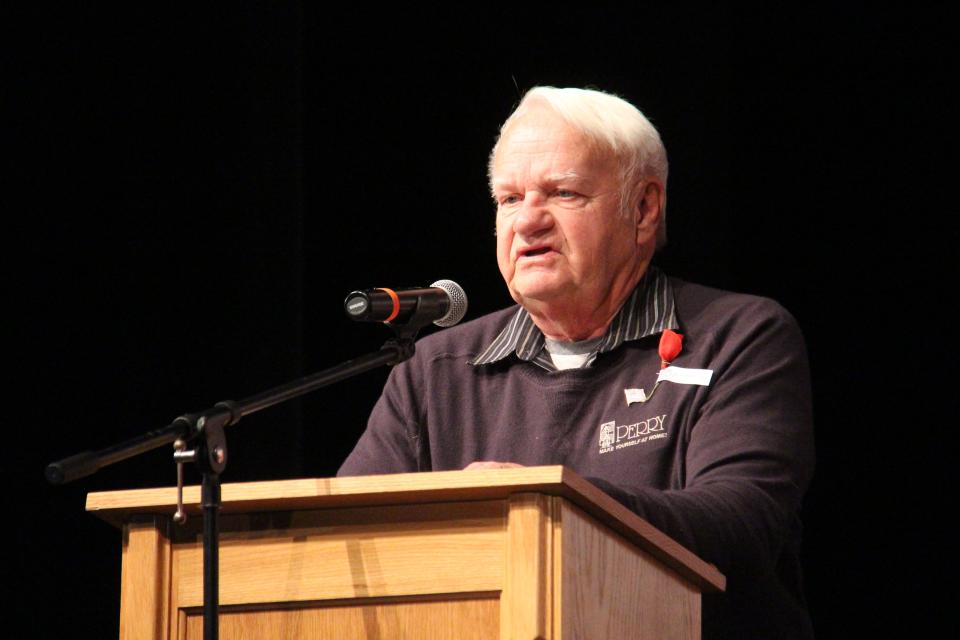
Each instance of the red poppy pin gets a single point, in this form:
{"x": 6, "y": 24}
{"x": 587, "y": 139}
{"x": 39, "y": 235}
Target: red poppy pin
{"x": 671, "y": 343}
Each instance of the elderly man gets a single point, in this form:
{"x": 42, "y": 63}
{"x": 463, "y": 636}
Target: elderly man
{"x": 717, "y": 454}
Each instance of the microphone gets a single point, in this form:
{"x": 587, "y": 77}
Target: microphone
{"x": 444, "y": 303}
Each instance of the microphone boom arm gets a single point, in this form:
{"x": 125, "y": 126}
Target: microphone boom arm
{"x": 189, "y": 426}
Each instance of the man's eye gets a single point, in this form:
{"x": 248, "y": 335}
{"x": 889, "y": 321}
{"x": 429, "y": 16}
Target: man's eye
{"x": 565, "y": 193}
{"x": 511, "y": 199}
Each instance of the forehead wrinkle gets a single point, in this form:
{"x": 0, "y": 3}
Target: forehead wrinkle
{"x": 534, "y": 134}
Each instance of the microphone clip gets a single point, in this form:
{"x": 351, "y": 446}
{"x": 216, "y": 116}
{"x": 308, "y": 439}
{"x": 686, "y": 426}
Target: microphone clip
{"x": 404, "y": 341}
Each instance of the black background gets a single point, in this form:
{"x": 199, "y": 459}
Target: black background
{"x": 192, "y": 192}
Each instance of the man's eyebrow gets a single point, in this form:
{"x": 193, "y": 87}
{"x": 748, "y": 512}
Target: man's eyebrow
{"x": 566, "y": 175}
{"x": 551, "y": 178}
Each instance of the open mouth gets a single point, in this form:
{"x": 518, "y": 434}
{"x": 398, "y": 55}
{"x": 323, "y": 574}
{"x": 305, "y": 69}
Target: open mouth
{"x": 539, "y": 251}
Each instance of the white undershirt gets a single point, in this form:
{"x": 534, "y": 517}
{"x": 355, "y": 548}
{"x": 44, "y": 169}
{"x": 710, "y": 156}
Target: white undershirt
{"x": 571, "y": 355}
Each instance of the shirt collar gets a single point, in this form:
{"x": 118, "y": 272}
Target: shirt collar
{"x": 648, "y": 311}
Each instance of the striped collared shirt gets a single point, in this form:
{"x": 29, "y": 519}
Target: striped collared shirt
{"x": 648, "y": 311}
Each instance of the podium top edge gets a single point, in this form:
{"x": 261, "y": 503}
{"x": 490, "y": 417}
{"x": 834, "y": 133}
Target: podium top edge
{"x": 330, "y": 492}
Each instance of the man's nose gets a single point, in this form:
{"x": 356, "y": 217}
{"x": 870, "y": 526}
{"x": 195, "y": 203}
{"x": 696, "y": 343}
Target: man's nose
{"x": 534, "y": 216}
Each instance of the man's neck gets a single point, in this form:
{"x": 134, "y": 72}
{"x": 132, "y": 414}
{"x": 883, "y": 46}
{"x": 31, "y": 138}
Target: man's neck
{"x": 559, "y": 326}
{"x": 571, "y": 322}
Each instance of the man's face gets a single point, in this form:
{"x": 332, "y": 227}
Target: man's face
{"x": 561, "y": 239}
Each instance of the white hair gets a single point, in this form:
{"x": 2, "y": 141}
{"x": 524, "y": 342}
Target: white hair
{"x": 614, "y": 125}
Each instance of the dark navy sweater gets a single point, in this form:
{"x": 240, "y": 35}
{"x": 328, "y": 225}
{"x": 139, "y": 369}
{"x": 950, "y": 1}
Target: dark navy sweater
{"x": 720, "y": 468}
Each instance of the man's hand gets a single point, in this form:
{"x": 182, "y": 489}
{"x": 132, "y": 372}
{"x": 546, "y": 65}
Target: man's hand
{"x": 491, "y": 464}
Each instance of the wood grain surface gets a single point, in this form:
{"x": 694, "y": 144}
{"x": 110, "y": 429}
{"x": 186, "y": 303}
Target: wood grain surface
{"x": 454, "y": 619}
{"x": 409, "y": 488}
{"x": 611, "y": 589}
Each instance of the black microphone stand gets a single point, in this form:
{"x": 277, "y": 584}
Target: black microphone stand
{"x": 205, "y": 430}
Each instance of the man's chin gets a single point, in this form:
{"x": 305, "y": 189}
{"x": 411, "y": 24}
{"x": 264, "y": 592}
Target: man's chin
{"x": 538, "y": 294}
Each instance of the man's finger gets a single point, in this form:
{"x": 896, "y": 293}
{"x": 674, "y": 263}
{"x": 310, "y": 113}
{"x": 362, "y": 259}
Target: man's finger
{"x": 491, "y": 464}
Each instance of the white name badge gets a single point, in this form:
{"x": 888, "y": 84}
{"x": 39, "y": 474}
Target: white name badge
{"x": 682, "y": 375}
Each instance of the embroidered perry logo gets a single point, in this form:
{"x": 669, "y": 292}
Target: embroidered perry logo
{"x": 614, "y": 436}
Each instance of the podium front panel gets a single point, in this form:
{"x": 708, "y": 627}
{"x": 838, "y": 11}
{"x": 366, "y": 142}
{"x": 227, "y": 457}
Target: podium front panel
{"x": 527, "y": 564}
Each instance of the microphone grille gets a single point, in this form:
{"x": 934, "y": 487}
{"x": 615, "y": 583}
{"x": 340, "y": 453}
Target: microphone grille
{"x": 458, "y": 303}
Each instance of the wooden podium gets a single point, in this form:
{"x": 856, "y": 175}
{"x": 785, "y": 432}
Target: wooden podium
{"x": 535, "y": 552}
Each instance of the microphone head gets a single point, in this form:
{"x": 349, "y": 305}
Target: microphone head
{"x": 458, "y": 303}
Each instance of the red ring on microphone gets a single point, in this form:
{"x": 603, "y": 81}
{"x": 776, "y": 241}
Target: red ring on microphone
{"x": 396, "y": 302}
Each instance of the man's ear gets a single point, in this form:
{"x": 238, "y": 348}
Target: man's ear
{"x": 649, "y": 209}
